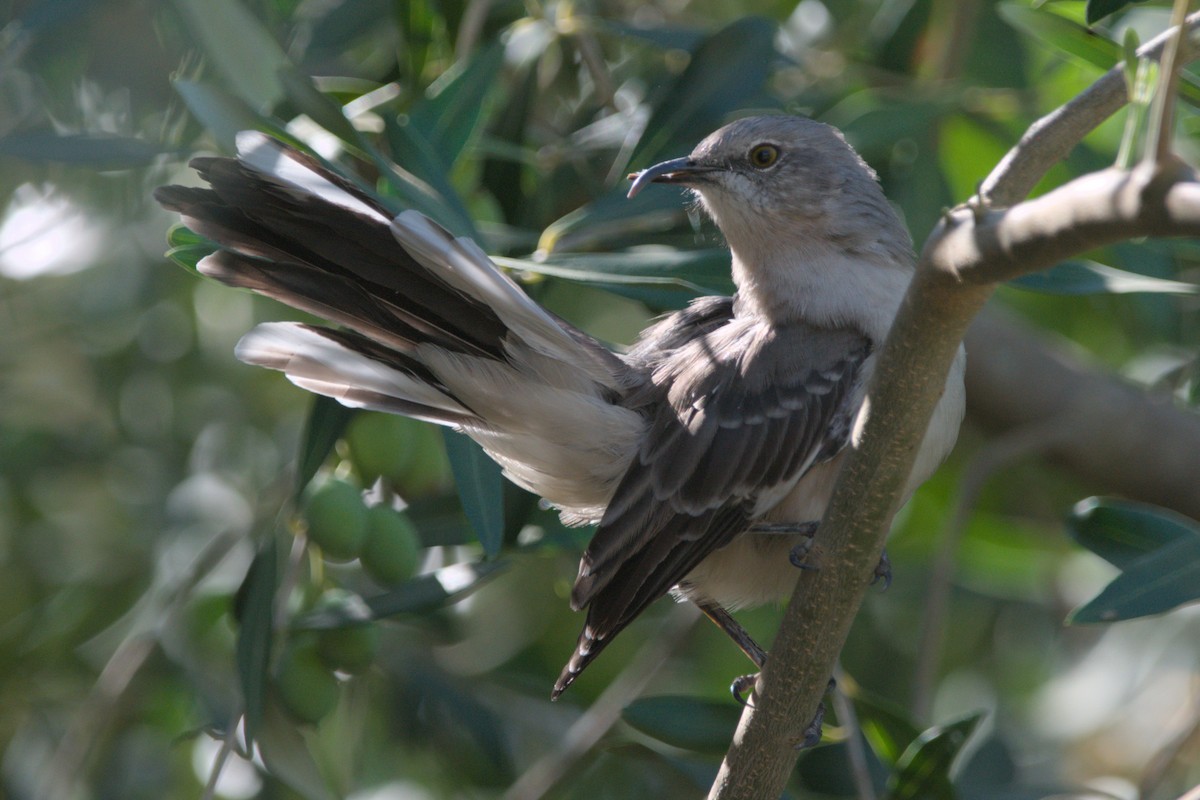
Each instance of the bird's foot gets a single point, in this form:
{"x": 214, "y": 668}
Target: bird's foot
{"x": 741, "y": 685}
{"x": 799, "y": 553}
{"x": 812, "y": 734}
{"x": 883, "y": 571}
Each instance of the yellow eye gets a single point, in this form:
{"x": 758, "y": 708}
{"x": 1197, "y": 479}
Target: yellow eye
{"x": 764, "y": 155}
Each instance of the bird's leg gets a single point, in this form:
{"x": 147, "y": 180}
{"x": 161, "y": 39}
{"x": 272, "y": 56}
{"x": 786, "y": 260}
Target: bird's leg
{"x": 725, "y": 621}
{"x": 799, "y": 554}
{"x": 807, "y": 530}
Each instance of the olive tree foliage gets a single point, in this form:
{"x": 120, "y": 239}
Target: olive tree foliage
{"x": 214, "y": 584}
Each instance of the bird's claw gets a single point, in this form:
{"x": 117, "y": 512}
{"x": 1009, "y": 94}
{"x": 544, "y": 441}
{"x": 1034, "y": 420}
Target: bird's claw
{"x": 812, "y": 734}
{"x": 798, "y": 555}
{"x": 883, "y": 571}
{"x": 741, "y": 685}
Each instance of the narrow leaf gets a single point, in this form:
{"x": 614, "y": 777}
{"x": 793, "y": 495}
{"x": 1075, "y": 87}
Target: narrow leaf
{"x": 690, "y": 723}
{"x": 480, "y": 487}
{"x": 923, "y": 771}
{"x": 220, "y": 112}
{"x": 417, "y": 596}
{"x": 1122, "y": 531}
{"x": 453, "y": 106}
{"x": 1088, "y": 277}
{"x": 92, "y": 150}
{"x": 1099, "y": 9}
{"x": 286, "y": 753}
{"x": 327, "y": 421}
{"x": 254, "y": 610}
{"x": 1061, "y": 34}
{"x": 239, "y": 48}
{"x": 1153, "y": 584}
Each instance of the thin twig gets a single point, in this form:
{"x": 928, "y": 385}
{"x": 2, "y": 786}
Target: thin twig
{"x": 860, "y": 771}
{"x": 1162, "y": 115}
{"x": 1031, "y": 439}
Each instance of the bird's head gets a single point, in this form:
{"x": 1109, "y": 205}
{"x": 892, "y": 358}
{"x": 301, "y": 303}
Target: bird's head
{"x": 787, "y": 180}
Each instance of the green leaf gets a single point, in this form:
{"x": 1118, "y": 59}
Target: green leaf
{"x": 481, "y": 488}
{"x": 453, "y": 106}
{"x": 923, "y": 771}
{"x": 1088, "y": 277}
{"x": 1122, "y": 531}
{"x": 703, "y": 726}
{"x": 255, "y": 611}
{"x": 287, "y": 755}
{"x": 1099, "y": 9}
{"x": 239, "y": 48}
{"x": 221, "y": 113}
{"x": 724, "y": 74}
{"x": 98, "y": 151}
{"x": 320, "y": 108}
{"x": 884, "y": 724}
{"x": 187, "y": 248}
{"x": 661, "y": 277}
{"x": 424, "y": 183}
{"x": 327, "y": 421}
{"x": 417, "y": 596}
{"x": 1153, "y": 584}
{"x": 1061, "y": 34}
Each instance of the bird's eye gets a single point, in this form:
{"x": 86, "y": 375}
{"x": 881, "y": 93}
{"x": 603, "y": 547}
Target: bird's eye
{"x": 764, "y": 155}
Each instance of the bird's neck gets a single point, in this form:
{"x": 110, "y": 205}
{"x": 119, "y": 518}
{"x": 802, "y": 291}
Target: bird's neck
{"x": 825, "y": 286}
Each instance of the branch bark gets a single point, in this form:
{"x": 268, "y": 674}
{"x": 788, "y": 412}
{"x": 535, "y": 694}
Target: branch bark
{"x": 960, "y": 265}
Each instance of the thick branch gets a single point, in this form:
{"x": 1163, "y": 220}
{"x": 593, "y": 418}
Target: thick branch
{"x": 1125, "y": 441}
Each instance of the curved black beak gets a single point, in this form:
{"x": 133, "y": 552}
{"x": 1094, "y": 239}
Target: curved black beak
{"x": 676, "y": 170}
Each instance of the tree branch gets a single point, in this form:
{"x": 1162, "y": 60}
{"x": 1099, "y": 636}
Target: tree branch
{"x": 964, "y": 258}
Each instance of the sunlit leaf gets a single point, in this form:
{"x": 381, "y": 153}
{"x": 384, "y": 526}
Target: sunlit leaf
{"x": 923, "y": 771}
{"x": 239, "y": 48}
{"x": 481, "y": 488}
{"x": 255, "y": 612}
{"x": 690, "y": 723}
{"x": 327, "y": 421}
{"x": 1087, "y": 277}
{"x": 424, "y": 183}
{"x": 453, "y": 106}
{"x": 1061, "y": 34}
{"x": 320, "y": 108}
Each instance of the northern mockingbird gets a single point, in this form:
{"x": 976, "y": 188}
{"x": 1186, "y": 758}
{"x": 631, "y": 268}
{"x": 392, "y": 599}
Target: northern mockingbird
{"x": 705, "y": 454}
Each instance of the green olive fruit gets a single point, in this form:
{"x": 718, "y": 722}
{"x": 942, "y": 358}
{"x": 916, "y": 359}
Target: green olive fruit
{"x": 351, "y": 649}
{"x": 337, "y": 519}
{"x": 305, "y": 686}
{"x": 381, "y": 445}
{"x": 392, "y": 551}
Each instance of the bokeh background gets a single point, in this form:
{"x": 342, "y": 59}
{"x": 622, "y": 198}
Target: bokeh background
{"x": 143, "y": 470}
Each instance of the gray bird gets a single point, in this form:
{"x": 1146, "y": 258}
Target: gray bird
{"x": 706, "y": 454}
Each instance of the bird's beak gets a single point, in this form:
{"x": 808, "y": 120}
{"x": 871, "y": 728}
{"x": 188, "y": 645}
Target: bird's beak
{"x": 676, "y": 170}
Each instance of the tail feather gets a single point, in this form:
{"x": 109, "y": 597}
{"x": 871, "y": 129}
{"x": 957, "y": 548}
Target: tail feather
{"x": 332, "y": 363}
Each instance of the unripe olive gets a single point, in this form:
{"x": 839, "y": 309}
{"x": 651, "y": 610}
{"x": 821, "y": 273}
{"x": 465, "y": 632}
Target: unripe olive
{"x": 305, "y": 686}
{"x": 381, "y": 445}
{"x": 392, "y": 550}
{"x": 350, "y": 649}
{"x": 337, "y": 519}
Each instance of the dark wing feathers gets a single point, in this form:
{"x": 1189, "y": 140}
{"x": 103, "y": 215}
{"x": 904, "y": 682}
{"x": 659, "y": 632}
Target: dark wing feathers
{"x": 736, "y": 408}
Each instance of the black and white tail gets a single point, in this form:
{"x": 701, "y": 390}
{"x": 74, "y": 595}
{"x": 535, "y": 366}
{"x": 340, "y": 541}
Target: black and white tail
{"x": 430, "y": 328}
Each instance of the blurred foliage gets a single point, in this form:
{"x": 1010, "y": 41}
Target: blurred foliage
{"x": 157, "y": 579}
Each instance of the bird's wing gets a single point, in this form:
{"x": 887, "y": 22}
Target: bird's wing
{"x": 738, "y": 410}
